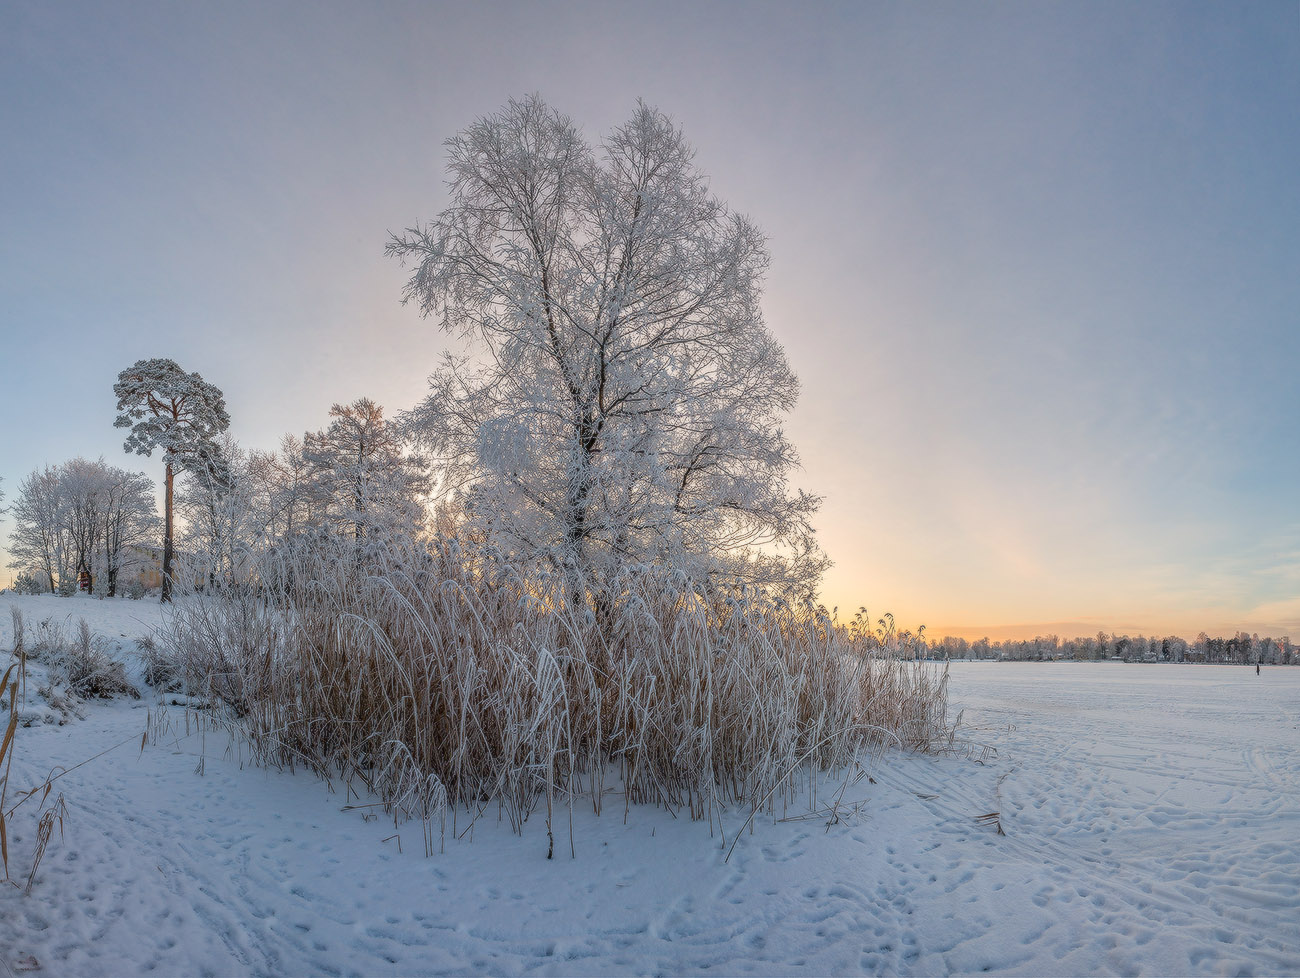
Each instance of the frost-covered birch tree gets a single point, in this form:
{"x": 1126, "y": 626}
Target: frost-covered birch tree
{"x": 179, "y": 412}
{"x": 282, "y": 490}
{"x": 39, "y": 541}
{"x": 84, "y": 488}
{"x": 215, "y": 502}
{"x": 130, "y": 519}
{"x": 81, "y": 517}
{"x": 619, "y": 398}
{"x": 106, "y": 510}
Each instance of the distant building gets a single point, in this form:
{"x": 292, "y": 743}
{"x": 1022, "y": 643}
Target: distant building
{"x": 144, "y": 564}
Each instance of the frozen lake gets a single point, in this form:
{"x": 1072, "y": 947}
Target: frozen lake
{"x": 1161, "y": 801}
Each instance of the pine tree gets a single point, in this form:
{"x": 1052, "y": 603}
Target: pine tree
{"x": 178, "y": 412}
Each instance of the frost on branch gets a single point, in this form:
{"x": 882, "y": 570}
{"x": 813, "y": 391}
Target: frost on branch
{"x": 361, "y": 476}
{"x": 620, "y": 398}
{"x": 167, "y": 408}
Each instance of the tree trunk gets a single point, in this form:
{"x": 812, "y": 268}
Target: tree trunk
{"x": 575, "y": 535}
{"x": 167, "y": 540}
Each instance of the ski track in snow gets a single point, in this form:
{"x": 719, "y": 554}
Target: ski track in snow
{"x": 1150, "y": 816}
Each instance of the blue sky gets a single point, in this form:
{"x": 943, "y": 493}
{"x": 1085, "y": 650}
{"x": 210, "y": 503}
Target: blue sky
{"x": 1036, "y": 264}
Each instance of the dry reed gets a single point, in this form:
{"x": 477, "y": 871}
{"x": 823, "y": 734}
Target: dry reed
{"x": 11, "y": 683}
{"x": 444, "y": 680}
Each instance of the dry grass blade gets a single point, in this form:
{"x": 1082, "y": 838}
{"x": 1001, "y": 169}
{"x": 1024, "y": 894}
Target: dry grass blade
{"x": 8, "y": 684}
{"x": 44, "y": 829}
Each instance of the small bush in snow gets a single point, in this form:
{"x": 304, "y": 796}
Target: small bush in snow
{"x": 161, "y": 670}
{"x": 83, "y": 666}
{"x": 28, "y": 583}
{"x": 88, "y": 671}
{"x": 47, "y": 641}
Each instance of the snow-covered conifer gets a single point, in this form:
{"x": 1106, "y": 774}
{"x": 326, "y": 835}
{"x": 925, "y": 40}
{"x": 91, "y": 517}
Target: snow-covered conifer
{"x": 178, "y": 412}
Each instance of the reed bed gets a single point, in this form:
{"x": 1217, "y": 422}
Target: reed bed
{"x": 445, "y": 681}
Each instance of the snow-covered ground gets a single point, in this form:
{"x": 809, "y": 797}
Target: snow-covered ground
{"x": 1151, "y": 817}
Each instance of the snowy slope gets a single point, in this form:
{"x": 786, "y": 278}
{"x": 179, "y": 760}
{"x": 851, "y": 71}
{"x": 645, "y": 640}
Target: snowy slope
{"x": 1150, "y": 817}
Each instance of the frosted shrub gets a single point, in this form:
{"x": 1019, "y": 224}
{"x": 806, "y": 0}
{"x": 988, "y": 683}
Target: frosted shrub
{"x": 87, "y": 669}
{"x": 161, "y": 669}
{"x": 225, "y": 648}
{"x": 48, "y": 640}
{"x": 82, "y": 665}
{"x": 28, "y": 583}
{"x": 444, "y": 677}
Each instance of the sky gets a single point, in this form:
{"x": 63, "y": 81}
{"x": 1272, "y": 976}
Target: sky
{"x": 1037, "y": 265}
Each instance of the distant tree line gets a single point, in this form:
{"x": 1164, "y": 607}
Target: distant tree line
{"x": 347, "y": 479}
{"x": 82, "y": 523}
{"x": 1241, "y": 648}
{"x": 355, "y": 479}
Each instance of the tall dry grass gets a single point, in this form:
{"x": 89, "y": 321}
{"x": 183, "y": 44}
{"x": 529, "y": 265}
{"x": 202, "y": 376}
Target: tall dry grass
{"x": 12, "y": 681}
{"x": 443, "y": 680}
{"x": 14, "y": 677}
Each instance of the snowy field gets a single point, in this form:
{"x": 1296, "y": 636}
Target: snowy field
{"x": 1151, "y": 817}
